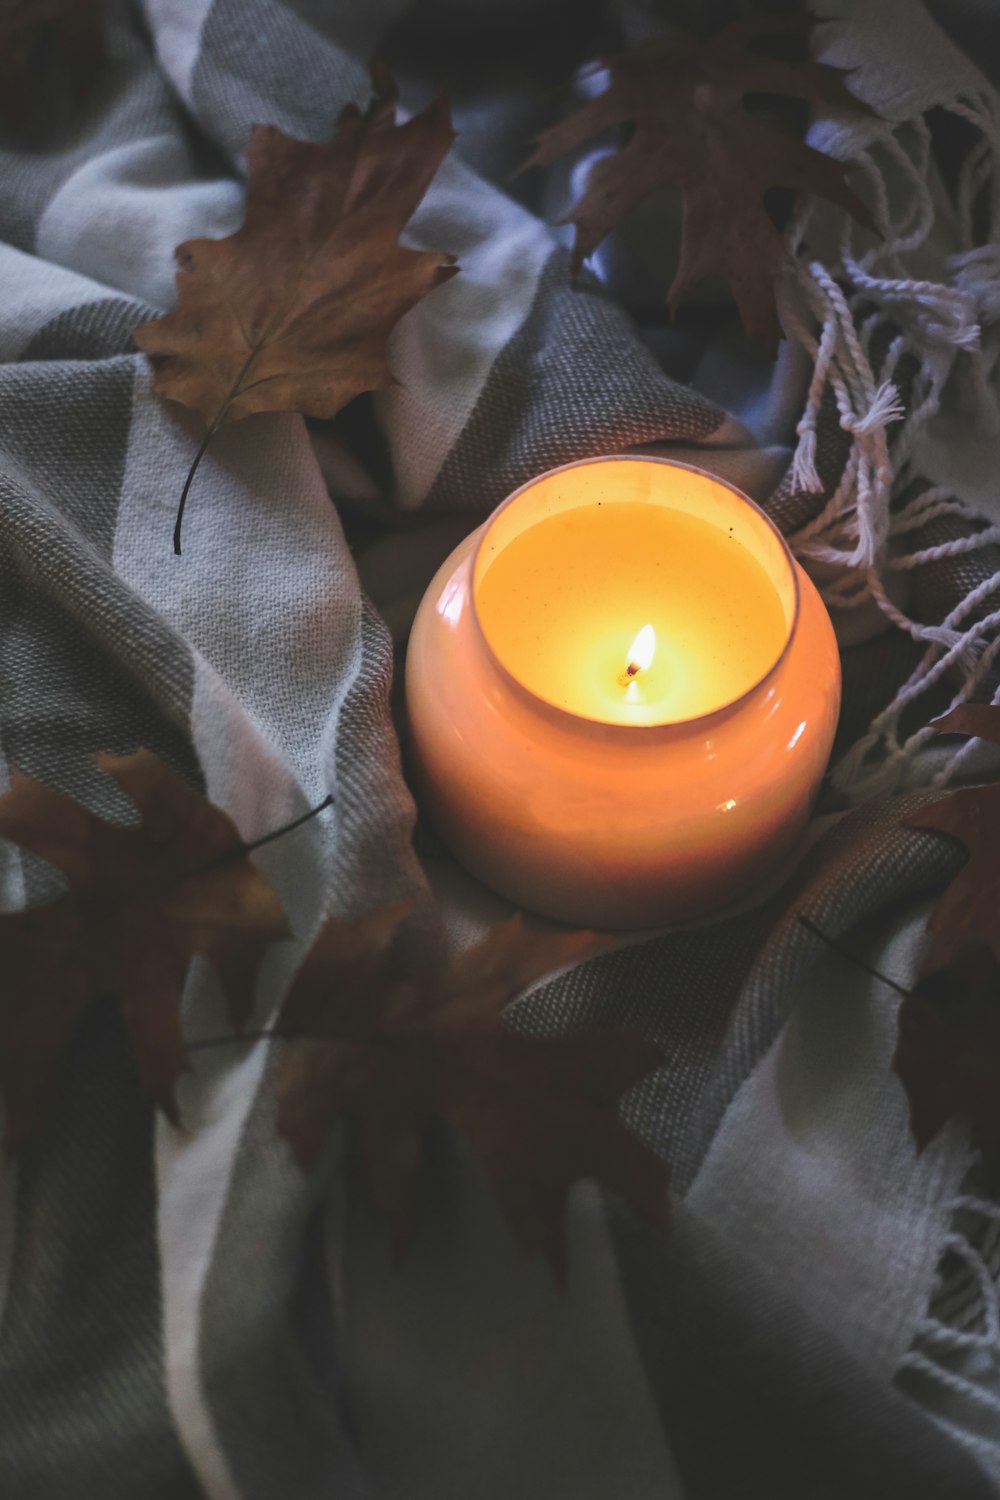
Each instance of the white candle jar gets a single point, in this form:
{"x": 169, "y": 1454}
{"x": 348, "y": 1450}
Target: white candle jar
{"x": 619, "y": 824}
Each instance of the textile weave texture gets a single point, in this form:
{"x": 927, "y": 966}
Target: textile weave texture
{"x": 183, "y": 1313}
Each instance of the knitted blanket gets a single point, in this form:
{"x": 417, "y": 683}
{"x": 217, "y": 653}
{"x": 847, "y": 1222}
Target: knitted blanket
{"x": 183, "y": 1312}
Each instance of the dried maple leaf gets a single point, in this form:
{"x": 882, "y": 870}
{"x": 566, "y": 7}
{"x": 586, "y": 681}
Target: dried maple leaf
{"x": 685, "y": 97}
{"x": 142, "y": 901}
{"x": 948, "y": 1049}
{"x": 967, "y": 913}
{"x": 390, "y": 1053}
{"x": 293, "y": 311}
{"x": 31, "y": 32}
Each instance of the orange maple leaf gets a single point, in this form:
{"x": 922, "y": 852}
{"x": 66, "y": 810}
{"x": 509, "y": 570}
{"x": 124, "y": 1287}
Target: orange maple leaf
{"x": 142, "y": 901}
{"x": 294, "y": 310}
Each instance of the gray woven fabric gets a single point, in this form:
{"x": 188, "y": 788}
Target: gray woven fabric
{"x": 182, "y": 1312}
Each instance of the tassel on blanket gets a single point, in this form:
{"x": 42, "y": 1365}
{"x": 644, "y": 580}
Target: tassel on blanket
{"x": 957, "y": 1341}
{"x": 885, "y": 407}
{"x": 804, "y": 475}
{"x": 977, "y": 276}
{"x": 841, "y": 315}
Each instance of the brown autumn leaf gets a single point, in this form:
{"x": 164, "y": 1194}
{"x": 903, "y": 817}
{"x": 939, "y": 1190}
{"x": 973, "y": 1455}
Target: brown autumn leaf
{"x": 967, "y": 913}
{"x": 32, "y": 34}
{"x": 948, "y": 1047}
{"x": 142, "y": 901}
{"x": 685, "y": 97}
{"x": 389, "y": 1053}
{"x": 294, "y": 310}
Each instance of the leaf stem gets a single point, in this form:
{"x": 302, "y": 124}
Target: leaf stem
{"x": 213, "y": 429}
{"x": 279, "y": 833}
{"x": 860, "y": 963}
{"x": 238, "y": 850}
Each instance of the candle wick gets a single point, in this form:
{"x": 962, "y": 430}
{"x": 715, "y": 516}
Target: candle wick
{"x": 644, "y": 645}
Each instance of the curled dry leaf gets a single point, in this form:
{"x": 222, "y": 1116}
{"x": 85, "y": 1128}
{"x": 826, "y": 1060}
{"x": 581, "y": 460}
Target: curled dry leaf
{"x": 142, "y": 901}
{"x": 685, "y": 97}
{"x": 294, "y": 310}
{"x": 389, "y": 1053}
{"x": 948, "y": 1048}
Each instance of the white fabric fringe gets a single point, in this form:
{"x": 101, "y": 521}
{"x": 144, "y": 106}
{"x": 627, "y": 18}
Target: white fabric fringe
{"x": 955, "y": 1355}
{"x": 836, "y": 311}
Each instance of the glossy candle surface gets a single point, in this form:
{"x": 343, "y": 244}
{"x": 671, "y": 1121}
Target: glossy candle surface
{"x": 562, "y": 602}
{"x": 578, "y": 787}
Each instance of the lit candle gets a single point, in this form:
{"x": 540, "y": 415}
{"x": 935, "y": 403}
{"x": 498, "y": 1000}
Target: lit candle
{"x": 622, "y": 694}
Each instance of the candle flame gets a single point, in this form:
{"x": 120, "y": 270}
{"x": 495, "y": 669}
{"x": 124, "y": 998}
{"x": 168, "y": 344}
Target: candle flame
{"x": 641, "y": 651}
